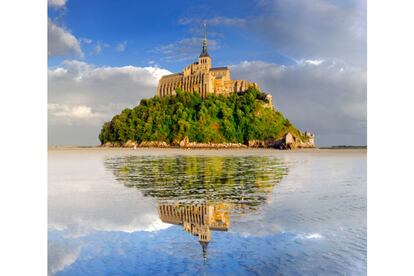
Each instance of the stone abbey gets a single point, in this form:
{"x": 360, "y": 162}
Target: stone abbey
{"x": 202, "y": 78}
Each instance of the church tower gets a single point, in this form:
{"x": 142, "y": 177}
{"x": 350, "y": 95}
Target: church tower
{"x": 204, "y": 60}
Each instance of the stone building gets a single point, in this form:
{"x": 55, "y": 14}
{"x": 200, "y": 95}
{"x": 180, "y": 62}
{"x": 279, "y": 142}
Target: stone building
{"x": 202, "y": 78}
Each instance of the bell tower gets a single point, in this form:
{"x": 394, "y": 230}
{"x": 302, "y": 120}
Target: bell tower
{"x": 204, "y": 60}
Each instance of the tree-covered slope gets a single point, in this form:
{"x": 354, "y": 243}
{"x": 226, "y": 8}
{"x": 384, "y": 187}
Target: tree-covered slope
{"x": 237, "y": 118}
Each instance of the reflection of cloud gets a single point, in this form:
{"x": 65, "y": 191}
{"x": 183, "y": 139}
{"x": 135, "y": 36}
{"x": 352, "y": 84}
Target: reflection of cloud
{"x": 313, "y": 236}
{"x": 320, "y": 194}
{"x": 61, "y": 254}
{"x": 80, "y": 206}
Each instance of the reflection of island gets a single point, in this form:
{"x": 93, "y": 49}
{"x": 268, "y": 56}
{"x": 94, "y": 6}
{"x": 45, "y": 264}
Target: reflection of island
{"x": 197, "y": 219}
{"x": 198, "y": 192}
{"x": 245, "y": 180}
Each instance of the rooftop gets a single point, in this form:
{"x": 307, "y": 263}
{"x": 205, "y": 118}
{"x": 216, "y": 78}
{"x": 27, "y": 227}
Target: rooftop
{"x": 219, "y": 68}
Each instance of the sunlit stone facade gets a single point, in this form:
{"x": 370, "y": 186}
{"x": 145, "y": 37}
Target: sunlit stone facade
{"x": 202, "y": 78}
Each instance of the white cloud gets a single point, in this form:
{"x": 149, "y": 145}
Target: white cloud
{"x": 67, "y": 114}
{"x": 153, "y": 63}
{"x": 214, "y": 21}
{"x": 56, "y": 3}
{"x": 86, "y": 40}
{"x": 61, "y": 42}
{"x": 83, "y": 96}
{"x": 315, "y": 62}
{"x": 185, "y": 49}
{"x": 302, "y": 29}
{"x": 322, "y": 28}
{"x": 328, "y": 98}
{"x": 121, "y": 46}
{"x": 99, "y": 47}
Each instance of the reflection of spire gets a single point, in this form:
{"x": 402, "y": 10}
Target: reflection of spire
{"x": 197, "y": 219}
{"x": 204, "y": 246}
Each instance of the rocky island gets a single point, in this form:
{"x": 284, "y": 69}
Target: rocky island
{"x": 187, "y": 120}
{"x": 202, "y": 107}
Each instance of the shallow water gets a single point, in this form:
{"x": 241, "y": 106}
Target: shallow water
{"x": 213, "y": 212}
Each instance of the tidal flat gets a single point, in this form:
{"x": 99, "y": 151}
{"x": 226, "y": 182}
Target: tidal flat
{"x": 149, "y": 211}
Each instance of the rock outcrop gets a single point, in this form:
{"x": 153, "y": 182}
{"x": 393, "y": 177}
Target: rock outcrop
{"x": 288, "y": 141}
{"x": 153, "y": 144}
{"x": 185, "y": 143}
{"x": 130, "y": 144}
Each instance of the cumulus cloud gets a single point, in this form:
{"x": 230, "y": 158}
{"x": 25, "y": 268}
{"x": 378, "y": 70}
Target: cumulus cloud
{"x": 72, "y": 114}
{"x": 313, "y": 61}
{"x": 120, "y": 47}
{"x": 57, "y": 3}
{"x": 86, "y": 40}
{"x": 317, "y": 29}
{"x": 214, "y": 21}
{"x": 303, "y": 29}
{"x": 99, "y": 47}
{"x": 328, "y": 98}
{"x": 83, "y": 96}
{"x": 325, "y": 91}
{"x": 185, "y": 49}
{"x": 61, "y": 42}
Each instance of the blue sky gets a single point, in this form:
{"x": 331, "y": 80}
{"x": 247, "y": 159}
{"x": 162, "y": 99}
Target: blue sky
{"x": 105, "y": 56}
{"x": 144, "y": 27}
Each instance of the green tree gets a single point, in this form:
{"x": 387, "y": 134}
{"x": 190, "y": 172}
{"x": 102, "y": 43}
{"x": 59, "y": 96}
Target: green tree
{"x": 236, "y": 118}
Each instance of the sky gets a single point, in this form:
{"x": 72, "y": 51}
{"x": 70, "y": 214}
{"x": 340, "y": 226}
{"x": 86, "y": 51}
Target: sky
{"x": 104, "y": 56}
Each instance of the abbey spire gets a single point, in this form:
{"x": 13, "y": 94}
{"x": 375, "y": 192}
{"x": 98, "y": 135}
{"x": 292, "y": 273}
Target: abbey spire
{"x": 204, "y": 52}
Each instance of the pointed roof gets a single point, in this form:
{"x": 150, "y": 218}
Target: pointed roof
{"x": 204, "y": 52}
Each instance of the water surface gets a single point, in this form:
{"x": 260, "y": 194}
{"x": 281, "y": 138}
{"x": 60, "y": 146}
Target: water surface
{"x": 214, "y": 212}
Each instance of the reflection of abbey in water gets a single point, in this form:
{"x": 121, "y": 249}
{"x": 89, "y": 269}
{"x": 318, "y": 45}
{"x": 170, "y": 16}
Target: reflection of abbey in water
{"x": 197, "y": 219}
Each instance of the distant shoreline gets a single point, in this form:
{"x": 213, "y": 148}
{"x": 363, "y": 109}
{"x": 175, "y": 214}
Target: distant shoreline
{"x": 344, "y": 147}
